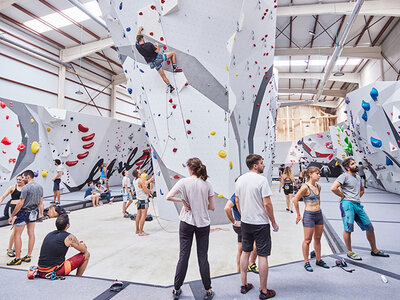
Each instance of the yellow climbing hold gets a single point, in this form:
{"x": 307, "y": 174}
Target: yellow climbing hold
{"x": 230, "y": 164}
{"x": 44, "y": 173}
{"x": 236, "y": 74}
{"x": 32, "y": 120}
{"x": 212, "y": 132}
{"x": 220, "y": 196}
{"x": 234, "y": 38}
{"x": 337, "y": 134}
{"x": 222, "y": 153}
{"x": 48, "y": 129}
{"x": 35, "y": 147}
{"x": 227, "y": 68}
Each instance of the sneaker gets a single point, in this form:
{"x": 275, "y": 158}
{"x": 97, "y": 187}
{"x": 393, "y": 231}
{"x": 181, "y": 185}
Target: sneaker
{"x": 171, "y": 89}
{"x": 26, "y": 258}
{"x": 269, "y": 294}
{"x": 245, "y": 288}
{"x": 379, "y": 253}
{"x": 177, "y": 70}
{"x": 14, "y": 262}
{"x": 291, "y": 211}
{"x": 176, "y": 294}
{"x": 287, "y": 209}
{"x": 10, "y": 253}
{"x": 308, "y": 267}
{"x": 323, "y": 264}
{"x": 354, "y": 256}
{"x": 253, "y": 268}
{"x": 209, "y": 295}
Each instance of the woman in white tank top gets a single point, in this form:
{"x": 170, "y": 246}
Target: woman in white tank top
{"x": 142, "y": 196}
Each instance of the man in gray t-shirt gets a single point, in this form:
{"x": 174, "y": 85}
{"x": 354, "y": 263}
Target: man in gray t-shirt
{"x": 28, "y": 209}
{"x": 349, "y": 188}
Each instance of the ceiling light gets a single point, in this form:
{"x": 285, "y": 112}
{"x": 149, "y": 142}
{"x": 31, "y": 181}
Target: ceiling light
{"x": 321, "y": 100}
{"x": 338, "y": 74}
{"x": 78, "y": 92}
{"x": 312, "y": 117}
{"x": 310, "y": 32}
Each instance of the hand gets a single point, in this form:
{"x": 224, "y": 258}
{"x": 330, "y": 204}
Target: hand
{"x": 275, "y": 227}
{"x": 186, "y": 205}
{"x": 10, "y": 221}
{"x": 237, "y": 224}
{"x": 280, "y": 189}
{"x": 156, "y": 44}
{"x": 140, "y": 28}
{"x": 298, "y": 219}
{"x": 340, "y": 199}
{"x": 53, "y": 179}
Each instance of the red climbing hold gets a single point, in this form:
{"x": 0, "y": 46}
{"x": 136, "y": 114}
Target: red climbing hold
{"x": 254, "y": 45}
{"x": 82, "y": 155}
{"x": 174, "y": 106}
{"x": 165, "y": 47}
{"x": 188, "y": 132}
{"x": 170, "y": 100}
{"x": 7, "y": 117}
{"x": 176, "y": 176}
{"x": 83, "y": 128}
{"x": 4, "y": 152}
{"x": 162, "y": 1}
{"x": 140, "y": 13}
{"x": 187, "y": 121}
{"x": 168, "y": 62}
{"x": 2, "y": 104}
{"x": 12, "y": 160}
{"x": 17, "y": 125}
{"x": 249, "y": 76}
{"x": 175, "y": 149}
{"x": 153, "y": 7}
{"x": 151, "y": 33}
{"x": 6, "y": 141}
{"x": 88, "y": 146}
{"x": 21, "y": 147}
{"x": 161, "y": 38}
{"x": 71, "y": 163}
{"x": 187, "y": 83}
{"x": 88, "y": 137}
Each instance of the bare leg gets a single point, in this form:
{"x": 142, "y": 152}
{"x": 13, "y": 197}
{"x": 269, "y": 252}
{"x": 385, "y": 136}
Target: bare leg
{"x": 97, "y": 200}
{"x": 347, "y": 240}
{"x": 54, "y": 196}
{"x": 142, "y": 220}
{"x": 58, "y": 196}
{"x": 239, "y": 253}
{"x": 317, "y": 241}
{"x": 263, "y": 272}
{"x": 31, "y": 234}
{"x": 138, "y": 216}
{"x": 93, "y": 200}
{"x": 163, "y": 76}
{"x": 308, "y": 233}
{"x": 129, "y": 204}
{"x": 11, "y": 242}
{"x": 253, "y": 255}
{"x": 288, "y": 201}
{"x": 171, "y": 56}
{"x": 371, "y": 240}
{"x": 82, "y": 268}
{"x": 123, "y": 208}
{"x": 18, "y": 241}
{"x": 244, "y": 263}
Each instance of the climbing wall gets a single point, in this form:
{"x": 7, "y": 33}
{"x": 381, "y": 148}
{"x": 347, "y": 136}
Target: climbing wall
{"x": 33, "y": 136}
{"x": 372, "y": 129}
{"x": 224, "y": 105}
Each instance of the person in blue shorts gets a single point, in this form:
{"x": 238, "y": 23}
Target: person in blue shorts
{"x": 349, "y": 188}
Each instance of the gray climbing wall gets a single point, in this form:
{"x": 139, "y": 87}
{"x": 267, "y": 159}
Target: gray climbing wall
{"x": 224, "y": 105}
{"x": 82, "y": 142}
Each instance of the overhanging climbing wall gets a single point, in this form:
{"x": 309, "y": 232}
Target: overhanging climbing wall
{"x": 33, "y": 136}
{"x": 373, "y": 122}
{"x": 224, "y": 105}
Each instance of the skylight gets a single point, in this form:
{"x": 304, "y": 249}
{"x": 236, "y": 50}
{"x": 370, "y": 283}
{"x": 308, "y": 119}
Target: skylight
{"x": 315, "y": 62}
{"x": 58, "y": 21}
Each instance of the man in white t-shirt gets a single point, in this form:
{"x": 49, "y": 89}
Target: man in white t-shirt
{"x": 57, "y": 180}
{"x": 254, "y": 203}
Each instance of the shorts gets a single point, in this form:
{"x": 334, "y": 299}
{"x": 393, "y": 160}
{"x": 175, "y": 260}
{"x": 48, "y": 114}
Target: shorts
{"x": 157, "y": 62}
{"x": 126, "y": 197}
{"x": 238, "y": 230}
{"x": 351, "y": 212}
{"x": 259, "y": 233}
{"x": 312, "y": 218}
{"x": 65, "y": 268}
{"x": 25, "y": 217}
{"x": 142, "y": 204}
{"x": 56, "y": 186}
{"x": 103, "y": 180}
{"x": 363, "y": 177}
{"x": 89, "y": 197}
{"x": 288, "y": 191}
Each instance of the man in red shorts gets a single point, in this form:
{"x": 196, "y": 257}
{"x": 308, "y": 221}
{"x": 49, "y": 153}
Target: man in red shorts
{"x": 54, "y": 248}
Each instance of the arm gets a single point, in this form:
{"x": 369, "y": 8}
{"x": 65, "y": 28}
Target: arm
{"x": 301, "y": 193}
{"x": 16, "y": 209}
{"x": 336, "y": 191}
{"x": 211, "y": 203}
{"x": 140, "y": 30}
{"x": 237, "y": 201}
{"x": 228, "y": 211}
{"x": 72, "y": 241}
{"x": 270, "y": 212}
{"x": 362, "y": 191}
{"x": 171, "y": 197}
{"x": 105, "y": 172}
{"x": 157, "y": 48}
{"x": 142, "y": 185}
{"x": 149, "y": 181}
{"x": 280, "y": 184}
{"x": 9, "y": 191}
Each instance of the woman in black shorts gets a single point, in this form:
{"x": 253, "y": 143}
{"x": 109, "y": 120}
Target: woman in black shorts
{"x": 15, "y": 192}
{"x": 313, "y": 221}
{"x": 287, "y": 183}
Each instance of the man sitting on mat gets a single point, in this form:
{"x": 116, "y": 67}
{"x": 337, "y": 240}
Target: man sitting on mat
{"x": 55, "y": 246}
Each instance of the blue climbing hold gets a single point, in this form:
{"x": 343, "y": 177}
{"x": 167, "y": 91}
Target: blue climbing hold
{"x": 143, "y": 88}
{"x": 141, "y": 70}
{"x": 128, "y": 29}
{"x": 147, "y": 134}
{"x": 144, "y": 125}
{"x": 389, "y": 162}
{"x": 365, "y": 105}
{"x": 145, "y": 102}
{"x": 365, "y": 116}
{"x": 154, "y": 156}
{"x": 158, "y": 173}
{"x": 375, "y": 142}
{"x": 120, "y": 6}
{"x": 161, "y": 192}
{"x": 374, "y": 94}
{"x": 347, "y": 100}
{"x": 299, "y": 142}
{"x": 129, "y": 90}
{"x": 116, "y": 48}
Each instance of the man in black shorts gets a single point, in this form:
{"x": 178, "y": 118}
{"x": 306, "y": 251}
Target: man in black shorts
{"x": 362, "y": 173}
{"x": 154, "y": 57}
{"x": 57, "y": 181}
{"x": 254, "y": 203}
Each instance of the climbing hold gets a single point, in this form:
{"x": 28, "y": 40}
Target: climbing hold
{"x": 7, "y": 117}
{"x": 176, "y": 176}
{"x": 141, "y": 71}
{"x": 21, "y": 147}
{"x": 83, "y": 128}
{"x": 365, "y": 116}
{"x": 374, "y": 94}
{"x": 330, "y": 156}
{"x": 12, "y": 160}
{"x": 230, "y": 164}
{"x": 6, "y": 141}
{"x": 170, "y": 100}
{"x": 154, "y": 156}
{"x": 48, "y": 129}
{"x": 35, "y": 147}
{"x": 71, "y": 163}
{"x": 44, "y": 173}
{"x": 88, "y": 146}
{"x": 365, "y": 105}
{"x": 120, "y": 6}
{"x": 188, "y": 132}
{"x": 82, "y": 155}
{"x": 2, "y": 104}
{"x": 388, "y": 133}
{"x": 32, "y": 121}
{"x": 319, "y": 135}
{"x": 128, "y": 29}
{"x": 88, "y": 137}
{"x": 220, "y": 196}
{"x": 222, "y": 153}
{"x": 174, "y": 150}
{"x": 161, "y": 192}
{"x": 375, "y": 142}
{"x": 187, "y": 121}
{"x": 212, "y": 132}
{"x": 174, "y": 106}
{"x": 36, "y": 174}
{"x": 346, "y": 139}
{"x": 347, "y": 100}
{"x": 151, "y": 33}
{"x": 129, "y": 90}
{"x": 153, "y": 7}
{"x": 389, "y": 162}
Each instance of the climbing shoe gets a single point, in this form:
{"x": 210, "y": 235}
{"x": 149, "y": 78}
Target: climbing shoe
{"x": 15, "y": 262}
{"x": 171, "y": 89}
{"x": 26, "y": 258}
{"x": 269, "y": 294}
{"x": 176, "y": 294}
{"x": 323, "y": 264}
{"x": 354, "y": 256}
{"x": 209, "y": 295}
{"x": 10, "y": 253}
{"x": 308, "y": 267}
{"x": 245, "y": 288}
{"x": 177, "y": 70}
{"x": 379, "y": 253}
{"x": 253, "y": 268}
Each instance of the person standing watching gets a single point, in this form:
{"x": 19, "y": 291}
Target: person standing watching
{"x": 197, "y": 197}
{"x": 142, "y": 197}
{"x": 350, "y": 192}
{"x": 28, "y": 209}
{"x": 57, "y": 181}
{"x": 253, "y": 200}
{"x": 127, "y": 194}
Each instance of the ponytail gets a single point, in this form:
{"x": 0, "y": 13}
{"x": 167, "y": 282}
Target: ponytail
{"x": 198, "y": 168}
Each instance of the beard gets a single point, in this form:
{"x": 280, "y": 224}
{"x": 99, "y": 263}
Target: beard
{"x": 260, "y": 170}
{"x": 354, "y": 170}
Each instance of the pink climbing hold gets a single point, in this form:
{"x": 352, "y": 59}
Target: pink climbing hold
{"x": 6, "y": 141}
{"x": 388, "y": 132}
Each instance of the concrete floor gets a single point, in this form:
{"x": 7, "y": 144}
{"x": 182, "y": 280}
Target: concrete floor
{"x": 118, "y": 253}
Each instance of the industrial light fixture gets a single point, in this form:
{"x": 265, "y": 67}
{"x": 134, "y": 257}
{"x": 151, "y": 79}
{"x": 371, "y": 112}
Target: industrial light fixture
{"x": 79, "y": 92}
{"x": 310, "y": 32}
{"x": 321, "y": 100}
{"x": 312, "y": 117}
{"x": 338, "y": 74}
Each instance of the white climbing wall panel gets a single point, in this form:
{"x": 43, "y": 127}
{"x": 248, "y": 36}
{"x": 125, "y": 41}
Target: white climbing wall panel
{"x": 224, "y": 105}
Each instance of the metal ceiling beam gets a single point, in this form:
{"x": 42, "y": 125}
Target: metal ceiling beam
{"x": 74, "y": 53}
{"x": 355, "y": 52}
{"x": 87, "y": 12}
{"x": 332, "y": 93}
{"x": 370, "y": 8}
{"x": 327, "y": 104}
{"x": 347, "y": 77}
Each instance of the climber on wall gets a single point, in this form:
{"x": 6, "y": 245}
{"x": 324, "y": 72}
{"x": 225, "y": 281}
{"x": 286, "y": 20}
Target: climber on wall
{"x": 154, "y": 57}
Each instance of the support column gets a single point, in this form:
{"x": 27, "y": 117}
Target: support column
{"x": 112, "y": 100}
{"x": 382, "y": 70}
{"x": 61, "y": 88}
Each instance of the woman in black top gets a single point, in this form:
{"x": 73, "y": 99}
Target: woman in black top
{"x": 15, "y": 192}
